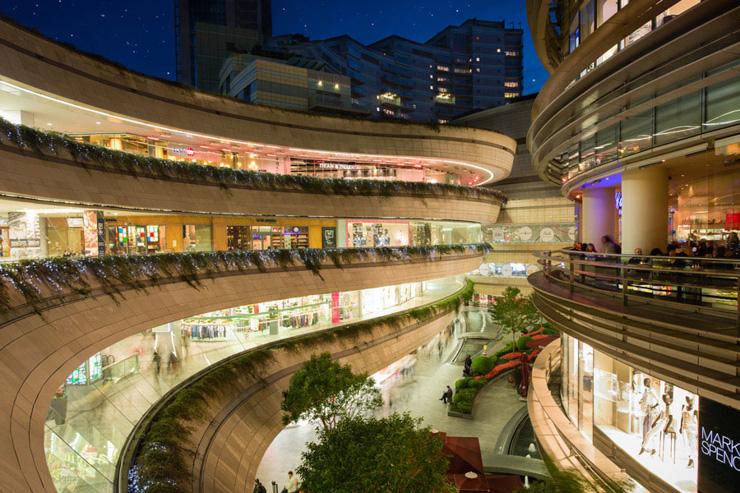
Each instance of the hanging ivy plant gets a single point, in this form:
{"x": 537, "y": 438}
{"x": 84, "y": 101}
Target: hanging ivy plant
{"x": 41, "y": 143}
{"x": 38, "y": 281}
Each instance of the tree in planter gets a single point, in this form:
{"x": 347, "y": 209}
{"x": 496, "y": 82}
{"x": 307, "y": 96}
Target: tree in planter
{"x": 327, "y": 392}
{"x": 384, "y": 455}
{"x": 514, "y": 313}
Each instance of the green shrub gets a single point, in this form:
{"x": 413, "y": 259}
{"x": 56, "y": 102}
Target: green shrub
{"x": 477, "y": 384}
{"x": 462, "y": 401}
{"x": 482, "y": 365}
{"x": 462, "y": 383}
{"x": 521, "y": 343}
{"x": 462, "y": 407}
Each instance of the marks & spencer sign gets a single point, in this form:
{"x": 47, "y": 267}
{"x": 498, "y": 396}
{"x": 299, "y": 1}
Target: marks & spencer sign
{"x": 719, "y": 447}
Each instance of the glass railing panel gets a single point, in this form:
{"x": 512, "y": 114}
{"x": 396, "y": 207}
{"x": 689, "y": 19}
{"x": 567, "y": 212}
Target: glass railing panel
{"x": 70, "y": 471}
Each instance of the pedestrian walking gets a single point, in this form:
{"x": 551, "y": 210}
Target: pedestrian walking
{"x": 157, "y": 359}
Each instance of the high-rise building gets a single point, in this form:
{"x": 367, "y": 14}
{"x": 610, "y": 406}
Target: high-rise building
{"x": 475, "y": 65}
{"x": 207, "y": 31}
{"x": 287, "y": 84}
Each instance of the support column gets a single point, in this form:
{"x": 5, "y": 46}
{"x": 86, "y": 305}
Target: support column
{"x": 645, "y": 209}
{"x": 598, "y": 213}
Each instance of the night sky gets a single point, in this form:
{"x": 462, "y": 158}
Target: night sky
{"x": 140, "y": 33}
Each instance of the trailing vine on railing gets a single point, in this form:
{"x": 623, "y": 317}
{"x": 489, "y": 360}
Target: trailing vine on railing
{"x": 161, "y": 462}
{"x": 42, "y": 279}
{"x": 55, "y": 144}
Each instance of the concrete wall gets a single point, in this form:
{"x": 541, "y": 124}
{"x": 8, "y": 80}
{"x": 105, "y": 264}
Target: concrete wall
{"x": 38, "y": 352}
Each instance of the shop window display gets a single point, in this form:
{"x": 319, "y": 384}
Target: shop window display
{"x": 380, "y": 234}
{"x": 238, "y": 238}
{"x": 653, "y": 422}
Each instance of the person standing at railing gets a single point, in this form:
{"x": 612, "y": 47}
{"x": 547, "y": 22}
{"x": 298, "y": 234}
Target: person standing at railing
{"x": 609, "y": 245}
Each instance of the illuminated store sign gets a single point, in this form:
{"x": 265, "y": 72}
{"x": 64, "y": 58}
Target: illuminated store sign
{"x": 337, "y": 166}
{"x": 719, "y": 447}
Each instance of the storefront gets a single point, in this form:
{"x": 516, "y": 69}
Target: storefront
{"x": 403, "y": 233}
{"x": 650, "y": 426}
{"x": 508, "y": 269}
{"x": 272, "y": 317}
{"x": 378, "y": 234}
{"x": 376, "y": 300}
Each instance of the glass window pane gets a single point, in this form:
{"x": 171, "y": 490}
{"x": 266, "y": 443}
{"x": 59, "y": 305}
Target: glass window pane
{"x": 606, "y": 145}
{"x": 587, "y": 20}
{"x": 605, "y": 9}
{"x": 678, "y": 119}
{"x": 677, "y": 9}
{"x": 723, "y": 104}
{"x": 637, "y": 133}
{"x": 586, "y": 374}
{"x": 575, "y": 35}
{"x": 588, "y": 153}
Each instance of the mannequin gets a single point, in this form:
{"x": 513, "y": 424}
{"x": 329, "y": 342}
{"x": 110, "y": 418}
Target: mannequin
{"x": 650, "y": 422}
{"x": 689, "y": 429}
{"x": 668, "y": 427}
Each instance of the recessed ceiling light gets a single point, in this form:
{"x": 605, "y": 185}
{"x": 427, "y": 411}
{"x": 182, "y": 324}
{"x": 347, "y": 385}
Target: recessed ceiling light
{"x": 97, "y": 123}
{"x": 50, "y": 124}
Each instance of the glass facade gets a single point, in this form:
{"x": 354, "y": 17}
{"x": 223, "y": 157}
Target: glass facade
{"x": 690, "y": 115}
{"x": 653, "y": 422}
{"x": 31, "y": 231}
{"x": 594, "y": 13}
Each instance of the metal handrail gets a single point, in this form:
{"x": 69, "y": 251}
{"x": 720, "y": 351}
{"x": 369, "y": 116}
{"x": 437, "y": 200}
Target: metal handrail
{"x": 697, "y": 281}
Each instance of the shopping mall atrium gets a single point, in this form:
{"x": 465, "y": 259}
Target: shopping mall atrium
{"x": 171, "y": 255}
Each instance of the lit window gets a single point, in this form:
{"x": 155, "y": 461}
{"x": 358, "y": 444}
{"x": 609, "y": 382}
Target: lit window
{"x": 336, "y": 87}
{"x": 510, "y": 95}
{"x": 498, "y": 50}
{"x": 320, "y": 83}
{"x": 511, "y": 84}
{"x": 431, "y": 87}
{"x": 477, "y": 59}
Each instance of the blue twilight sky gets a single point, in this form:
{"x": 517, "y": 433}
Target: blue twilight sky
{"x": 140, "y": 33}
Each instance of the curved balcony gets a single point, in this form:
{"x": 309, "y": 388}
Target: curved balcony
{"x": 39, "y": 166}
{"x": 674, "y": 318}
{"x": 91, "y": 96}
{"x": 243, "y": 420}
{"x": 57, "y": 313}
{"x": 651, "y": 101}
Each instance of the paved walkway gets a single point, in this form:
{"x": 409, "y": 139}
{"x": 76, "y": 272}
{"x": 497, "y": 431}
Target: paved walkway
{"x": 419, "y": 395}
